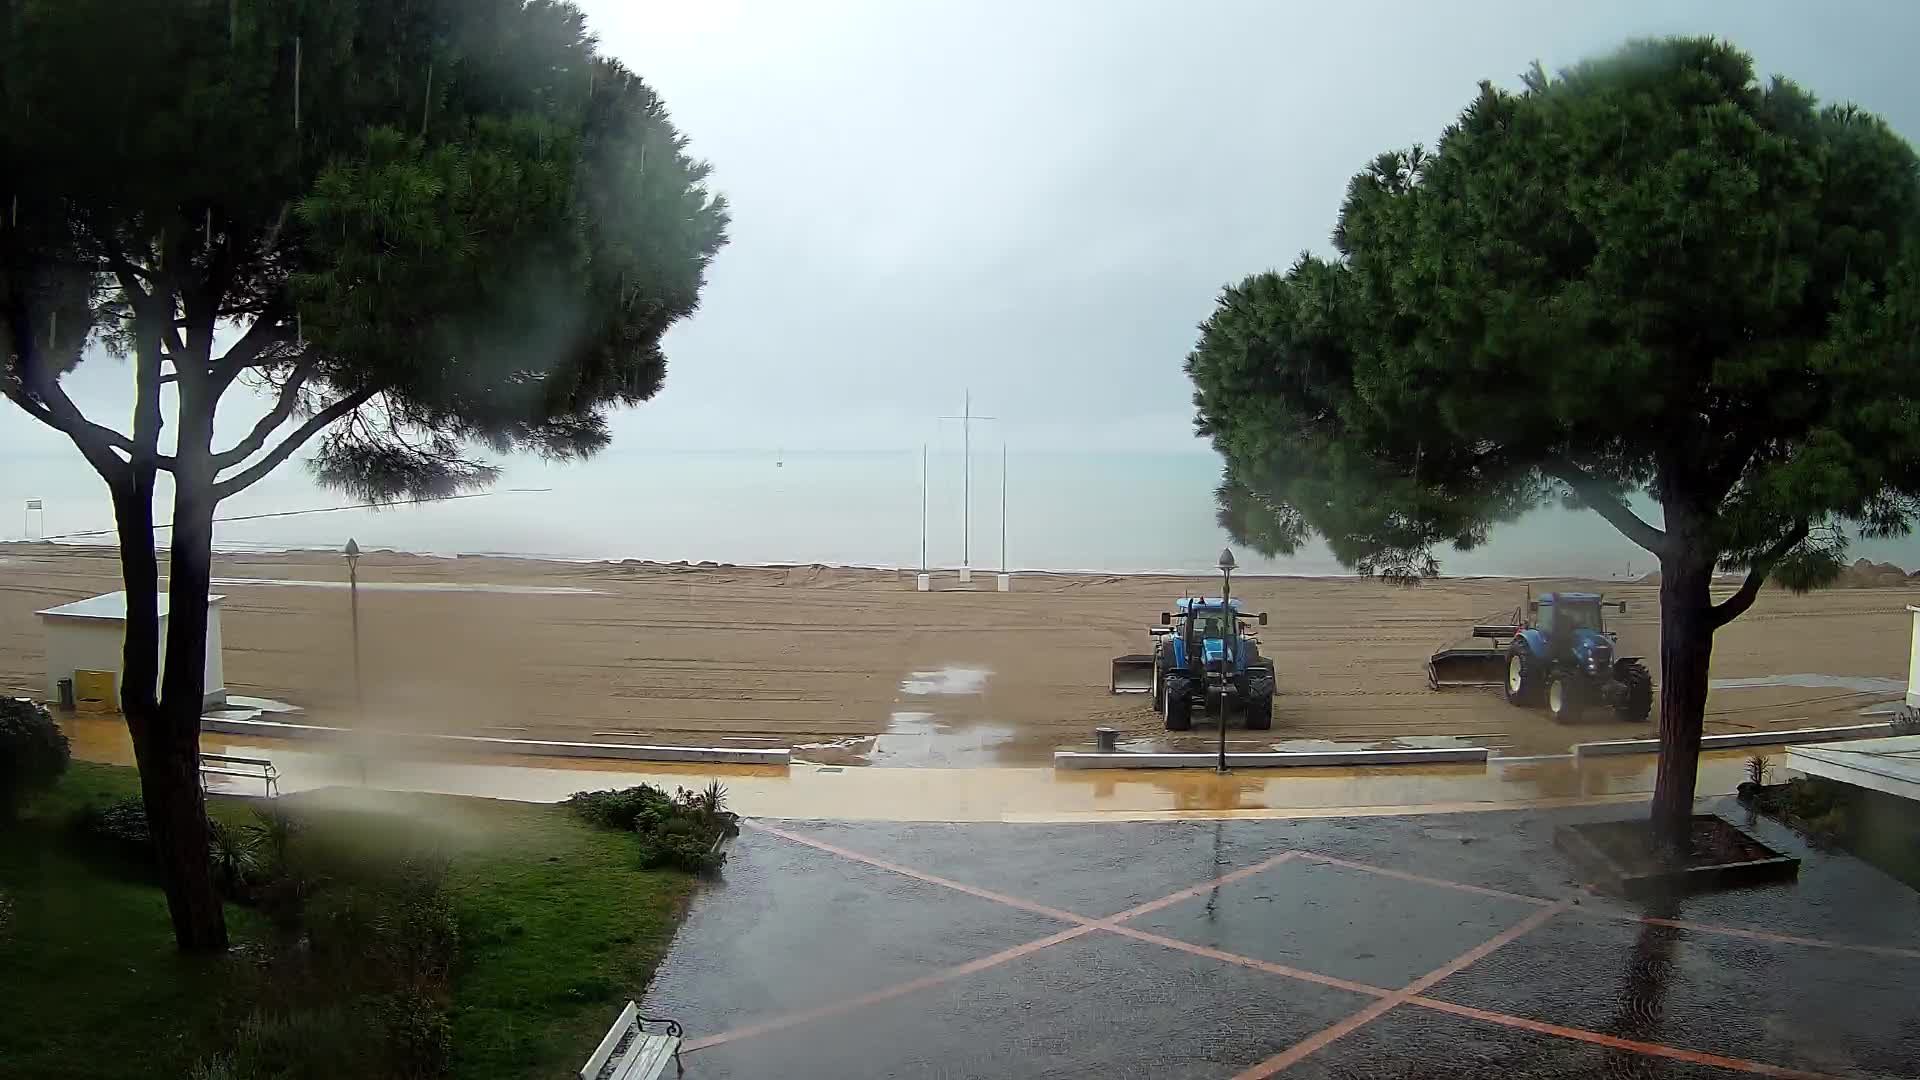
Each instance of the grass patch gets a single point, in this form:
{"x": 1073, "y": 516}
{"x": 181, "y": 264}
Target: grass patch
{"x": 556, "y": 925}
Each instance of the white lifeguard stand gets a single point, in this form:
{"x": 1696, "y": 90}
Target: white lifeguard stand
{"x": 90, "y": 635}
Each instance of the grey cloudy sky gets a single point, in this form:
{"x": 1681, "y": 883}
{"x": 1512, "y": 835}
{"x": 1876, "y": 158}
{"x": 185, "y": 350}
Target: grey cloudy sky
{"x": 1040, "y": 200}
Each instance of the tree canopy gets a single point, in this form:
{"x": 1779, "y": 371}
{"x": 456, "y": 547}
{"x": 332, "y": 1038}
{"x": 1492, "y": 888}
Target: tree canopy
{"x": 1652, "y": 273}
{"x": 425, "y": 229}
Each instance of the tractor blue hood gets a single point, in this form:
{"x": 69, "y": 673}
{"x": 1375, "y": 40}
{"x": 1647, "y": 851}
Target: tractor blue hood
{"x": 1588, "y": 644}
{"x": 1213, "y": 649}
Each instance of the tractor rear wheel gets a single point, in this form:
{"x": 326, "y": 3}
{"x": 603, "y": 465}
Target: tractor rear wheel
{"x": 1523, "y": 676}
{"x": 1563, "y": 698}
{"x": 1179, "y": 701}
{"x": 1637, "y": 703}
{"x": 1259, "y": 706}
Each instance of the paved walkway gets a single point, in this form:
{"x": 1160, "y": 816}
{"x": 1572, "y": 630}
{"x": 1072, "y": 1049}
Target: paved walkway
{"x": 1439, "y": 945}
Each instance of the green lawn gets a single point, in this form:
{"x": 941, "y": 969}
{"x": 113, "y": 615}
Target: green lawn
{"x": 557, "y": 927}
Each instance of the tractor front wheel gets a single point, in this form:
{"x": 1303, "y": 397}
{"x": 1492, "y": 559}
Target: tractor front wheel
{"x": 1634, "y": 706}
{"x": 1523, "y": 676}
{"x": 1259, "y": 707}
{"x": 1179, "y": 701}
{"x": 1563, "y": 698}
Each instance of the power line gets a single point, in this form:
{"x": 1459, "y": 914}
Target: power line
{"x": 317, "y": 510}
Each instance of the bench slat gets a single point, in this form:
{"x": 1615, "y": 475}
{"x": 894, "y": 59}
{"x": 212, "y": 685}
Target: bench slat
{"x": 647, "y": 1058}
{"x": 614, "y": 1034}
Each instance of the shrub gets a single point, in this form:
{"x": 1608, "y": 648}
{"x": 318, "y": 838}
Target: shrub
{"x": 680, "y": 832}
{"x": 330, "y": 1041}
{"x": 119, "y": 829}
{"x": 273, "y": 830}
{"x": 33, "y": 752}
{"x": 236, "y": 859}
{"x": 620, "y": 809}
{"x": 419, "y": 1035}
{"x": 395, "y": 931}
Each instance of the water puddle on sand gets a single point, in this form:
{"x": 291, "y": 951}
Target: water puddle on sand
{"x": 921, "y": 737}
{"x": 953, "y": 680}
{"x": 1241, "y": 741}
{"x": 419, "y": 586}
{"x": 1864, "y": 684}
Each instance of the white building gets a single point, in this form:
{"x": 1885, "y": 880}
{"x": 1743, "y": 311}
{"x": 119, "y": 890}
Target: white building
{"x": 1890, "y": 765}
{"x": 90, "y": 635}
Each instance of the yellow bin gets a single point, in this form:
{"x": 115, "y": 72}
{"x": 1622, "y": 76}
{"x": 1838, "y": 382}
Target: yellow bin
{"x": 93, "y": 692}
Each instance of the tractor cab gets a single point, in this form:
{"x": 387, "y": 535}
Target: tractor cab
{"x": 1202, "y": 627}
{"x": 1572, "y": 625}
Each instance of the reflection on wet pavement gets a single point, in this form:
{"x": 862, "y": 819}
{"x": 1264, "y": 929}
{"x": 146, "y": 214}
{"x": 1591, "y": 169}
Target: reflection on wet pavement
{"x": 965, "y": 794}
{"x": 1353, "y": 948}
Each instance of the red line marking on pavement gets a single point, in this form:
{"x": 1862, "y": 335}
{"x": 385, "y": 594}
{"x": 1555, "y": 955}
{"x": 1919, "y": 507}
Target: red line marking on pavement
{"x": 888, "y": 993}
{"x": 1267, "y": 966}
{"x": 1705, "y": 928}
{"x": 1762, "y": 935}
{"x": 1695, "y": 1057}
{"x": 1300, "y": 1050}
{"x": 1195, "y": 890}
{"x": 1386, "y": 999}
{"x": 1374, "y": 1010}
{"x": 1420, "y": 879}
{"x": 931, "y": 879}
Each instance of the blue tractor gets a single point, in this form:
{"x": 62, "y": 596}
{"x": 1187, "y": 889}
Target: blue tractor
{"x": 1564, "y": 657}
{"x": 1202, "y": 653}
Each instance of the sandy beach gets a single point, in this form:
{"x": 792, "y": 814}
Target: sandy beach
{"x": 856, "y": 666}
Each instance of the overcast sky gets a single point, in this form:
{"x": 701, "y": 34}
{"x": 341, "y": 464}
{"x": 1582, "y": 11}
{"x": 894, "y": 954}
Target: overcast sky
{"x": 1039, "y": 200}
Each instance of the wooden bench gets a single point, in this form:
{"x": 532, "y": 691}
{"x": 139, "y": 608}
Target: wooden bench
{"x": 251, "y": 768}
{"x": 630, "y": 1052}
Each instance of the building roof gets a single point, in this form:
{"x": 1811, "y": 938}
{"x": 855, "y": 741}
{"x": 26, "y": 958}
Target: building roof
{"x": 1891, "y": 765}
{"x": 110, "y": 606}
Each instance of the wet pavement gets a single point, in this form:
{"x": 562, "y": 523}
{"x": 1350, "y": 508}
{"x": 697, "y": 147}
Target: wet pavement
{"x": 1455, "y": 945}
{"x": 958, "y": 794}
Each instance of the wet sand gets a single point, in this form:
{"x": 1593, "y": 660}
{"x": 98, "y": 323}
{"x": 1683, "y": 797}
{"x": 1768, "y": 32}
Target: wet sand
{"x": 855, "y": 666}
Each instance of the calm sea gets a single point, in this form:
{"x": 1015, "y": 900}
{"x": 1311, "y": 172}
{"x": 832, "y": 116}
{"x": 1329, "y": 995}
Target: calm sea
{"x": 1112, "y": 512}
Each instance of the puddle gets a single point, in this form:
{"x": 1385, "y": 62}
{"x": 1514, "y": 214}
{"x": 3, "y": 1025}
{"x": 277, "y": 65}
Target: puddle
{"x": 914, "y": 739}
{"x": 261, "y": 704}
{"x": 1864, "y": 684}
{"x": 953, "y": 680}
{"x": 421, "y": 586}
{"x": 1239, "y": 741}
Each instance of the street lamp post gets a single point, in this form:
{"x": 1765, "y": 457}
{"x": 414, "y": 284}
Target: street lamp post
{"x": 353, "y": 592}
{"x": 1233, "y": 631}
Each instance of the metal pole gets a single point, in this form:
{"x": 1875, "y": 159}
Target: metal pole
{"x": 1226, "y": 602}
{"x": 966, "y": 483}
{"x": 1003, "y": 508}
{"x": 353, "y": 590}
{"x": 923, "y": 508}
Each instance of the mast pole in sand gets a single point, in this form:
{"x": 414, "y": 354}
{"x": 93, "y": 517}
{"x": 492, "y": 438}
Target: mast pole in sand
{"x": 967, "y": 417}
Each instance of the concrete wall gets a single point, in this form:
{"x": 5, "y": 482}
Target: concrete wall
{"x": 1913, "y": 661}
{"x": 89, "y": 644}
{"x": 81, "y": 645}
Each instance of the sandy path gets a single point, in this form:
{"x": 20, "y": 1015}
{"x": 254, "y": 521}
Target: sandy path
{"x": 813, "y": 655}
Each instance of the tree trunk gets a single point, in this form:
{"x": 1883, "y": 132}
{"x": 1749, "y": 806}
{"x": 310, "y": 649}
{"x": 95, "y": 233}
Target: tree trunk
{"x": 170, "y": 761}
{"x": 1686, "y": 647}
